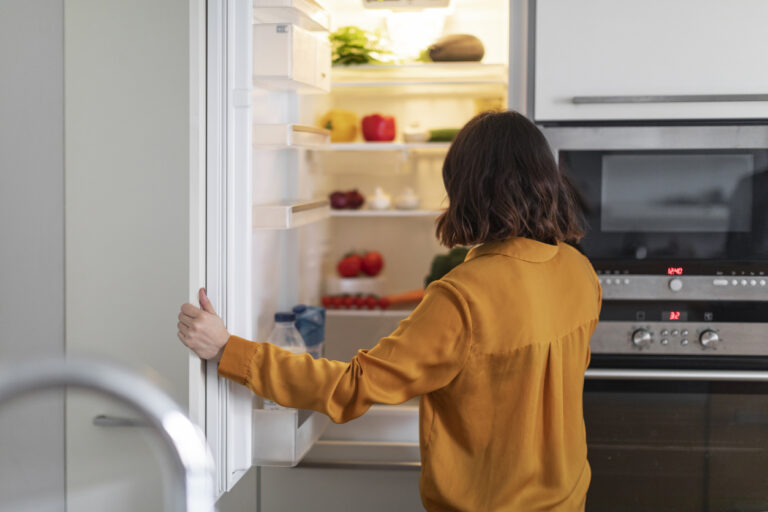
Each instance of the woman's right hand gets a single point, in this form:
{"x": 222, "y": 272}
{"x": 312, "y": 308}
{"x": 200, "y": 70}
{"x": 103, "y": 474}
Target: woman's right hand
{"x": 201, "y": 329}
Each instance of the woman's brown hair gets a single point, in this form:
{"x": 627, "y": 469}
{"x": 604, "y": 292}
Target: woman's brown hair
{"x": 503, "y": 182}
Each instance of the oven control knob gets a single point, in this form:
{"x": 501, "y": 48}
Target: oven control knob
{"x": 641, "y": 338}
{"x": 676, "y": 284}
{"x": 708, "y": 338}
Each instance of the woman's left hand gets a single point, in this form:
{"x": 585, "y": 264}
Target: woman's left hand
{"x": 201, "y": 329}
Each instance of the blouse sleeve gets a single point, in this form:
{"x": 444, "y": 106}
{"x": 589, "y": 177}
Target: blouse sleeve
{"x": 424, "y": 354}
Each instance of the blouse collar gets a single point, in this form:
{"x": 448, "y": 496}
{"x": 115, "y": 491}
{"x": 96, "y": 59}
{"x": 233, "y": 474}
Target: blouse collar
{"x": 521, "y": 248}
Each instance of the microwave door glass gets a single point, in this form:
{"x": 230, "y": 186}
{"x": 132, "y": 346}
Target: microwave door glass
{"x": 676, "y": 193}
{"x": 691, "y": 205}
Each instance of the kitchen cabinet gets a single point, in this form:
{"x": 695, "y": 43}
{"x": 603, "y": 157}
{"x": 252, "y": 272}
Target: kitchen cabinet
{"x": 599, "y": 60}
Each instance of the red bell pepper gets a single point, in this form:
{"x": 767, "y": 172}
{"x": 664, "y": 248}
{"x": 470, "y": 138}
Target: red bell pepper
{"x": 377, "y": 127}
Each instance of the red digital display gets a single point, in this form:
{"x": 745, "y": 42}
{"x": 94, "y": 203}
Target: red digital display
{"x": 675, "y": 271}
{"x": 679, "y": 316}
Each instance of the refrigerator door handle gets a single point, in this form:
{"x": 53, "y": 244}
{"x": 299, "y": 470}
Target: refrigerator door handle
{"x": 105, "y": 420}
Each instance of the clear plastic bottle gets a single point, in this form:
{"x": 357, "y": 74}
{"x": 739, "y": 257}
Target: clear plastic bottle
{"x": 286, "y": 336}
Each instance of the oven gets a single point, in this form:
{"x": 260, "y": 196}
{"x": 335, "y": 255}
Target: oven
{"x": 676, "y": 396}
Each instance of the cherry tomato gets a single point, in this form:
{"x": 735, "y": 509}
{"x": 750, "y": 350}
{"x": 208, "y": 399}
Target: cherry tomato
{"x": 337, "y": 301}
{"x": 348, "y": 301}
{"x": 327, "y": 301}
{"x": 359, "y": 301}
{"x": 383, "y": 303}
{"x": 371, "y": 302}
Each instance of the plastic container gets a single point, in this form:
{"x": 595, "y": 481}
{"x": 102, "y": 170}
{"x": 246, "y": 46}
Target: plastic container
{"x": 286, "y": 336}
{"x": 310, "y": 322}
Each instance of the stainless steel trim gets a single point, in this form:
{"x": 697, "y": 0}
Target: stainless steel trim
{"x": 194, "y": 476}
{"x": 520, "y": 47}
{"x": 104, "y": 420}
{"x": 375, "y": 465}
{"x": 638, "y": 286}
{"x": 672, "y": 98}
{"x": 735, "y": 339}
{"x": 609, "y": 138}
{"x": 691, "y": 375}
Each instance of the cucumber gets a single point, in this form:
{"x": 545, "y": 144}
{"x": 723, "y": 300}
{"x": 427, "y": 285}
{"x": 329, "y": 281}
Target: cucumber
{"x": 443, "y": 134}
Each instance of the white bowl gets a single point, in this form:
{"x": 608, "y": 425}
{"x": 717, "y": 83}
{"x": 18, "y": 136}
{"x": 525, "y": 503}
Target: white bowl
{"x": 335, "y": 285}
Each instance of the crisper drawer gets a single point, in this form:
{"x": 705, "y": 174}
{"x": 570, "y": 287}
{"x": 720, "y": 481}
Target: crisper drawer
{"x": 289, "y": 57}
{"x": 650, "y": 59}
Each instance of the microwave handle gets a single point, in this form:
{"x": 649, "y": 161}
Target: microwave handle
{"x": 689, "y": 375}
{"x": 660, "y": 98}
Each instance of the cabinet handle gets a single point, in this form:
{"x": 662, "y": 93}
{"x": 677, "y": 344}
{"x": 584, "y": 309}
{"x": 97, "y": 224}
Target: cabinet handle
{"x": 691, "y": 375}
{"x": 682, "y": 98}
{"x": 103, "y": 420}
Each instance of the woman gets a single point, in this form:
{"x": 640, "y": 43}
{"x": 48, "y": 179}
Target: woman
{"x": 496, "y": 350}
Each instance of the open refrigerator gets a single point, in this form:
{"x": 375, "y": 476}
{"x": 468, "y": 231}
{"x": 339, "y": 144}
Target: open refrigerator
{"x": 272, "y": 240}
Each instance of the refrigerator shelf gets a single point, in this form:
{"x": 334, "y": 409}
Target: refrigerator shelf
{"x": 386, "y": 146}
{"x": 422, "y": 74}
{"x": 289, "y": 214}
{"x": 282, "y": 136}
{"x": 385, "y": 213}
{"x": 368, "y": 313}
{"x": 308, "y": 14}
{"x": 285, "y": 436}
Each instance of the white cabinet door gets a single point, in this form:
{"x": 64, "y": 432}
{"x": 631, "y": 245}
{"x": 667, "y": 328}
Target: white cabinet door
{"x": 650, "y": 59}
{"x": 127, "y": 232}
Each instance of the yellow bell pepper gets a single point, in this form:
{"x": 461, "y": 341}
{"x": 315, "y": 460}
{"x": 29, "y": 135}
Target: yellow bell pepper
{"x": 341, "y": 123}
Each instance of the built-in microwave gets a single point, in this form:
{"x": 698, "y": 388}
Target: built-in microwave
{"x": 677, "y": 229}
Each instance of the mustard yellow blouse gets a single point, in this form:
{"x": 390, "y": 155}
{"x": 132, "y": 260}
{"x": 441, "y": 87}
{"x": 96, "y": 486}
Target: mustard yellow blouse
{"x": 497, "y": 351}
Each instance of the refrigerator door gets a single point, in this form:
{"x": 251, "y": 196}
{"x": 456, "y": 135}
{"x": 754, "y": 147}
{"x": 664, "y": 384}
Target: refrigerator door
{"x": 251, "y": 224}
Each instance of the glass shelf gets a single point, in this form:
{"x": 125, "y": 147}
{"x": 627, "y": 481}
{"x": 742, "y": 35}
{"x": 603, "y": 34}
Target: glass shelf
{"x": 368, "y": 313}
{"x": 473, "y": 78}
{"x": 386, "y": 146}
{"x": 385, "y": 213}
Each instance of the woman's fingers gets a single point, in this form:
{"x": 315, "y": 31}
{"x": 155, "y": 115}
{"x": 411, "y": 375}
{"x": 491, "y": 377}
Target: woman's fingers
{"x": 186, "y": 320}
{"x": 190, "y": 310}
{"x": 183, "y": 329}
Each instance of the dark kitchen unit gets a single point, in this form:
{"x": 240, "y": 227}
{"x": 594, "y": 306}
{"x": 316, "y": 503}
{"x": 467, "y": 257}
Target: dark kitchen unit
{"x": 676, "y": 396}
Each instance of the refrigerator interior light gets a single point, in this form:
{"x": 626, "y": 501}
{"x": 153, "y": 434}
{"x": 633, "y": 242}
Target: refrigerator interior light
{"x": 405, "y": 4}
{"x": 412, "y": 32}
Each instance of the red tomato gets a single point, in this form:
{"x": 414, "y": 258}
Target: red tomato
{"x": 359, "y": 301}
{"x": 326, "y": 301}
{"x": 348, "y": 301}
{"x": 350, "y": 265}
{"x": 383, "y": 303}
{"x": 336, "y": 302}
{"x": 371, "y": 302}
{"x": 372, "y": 263}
